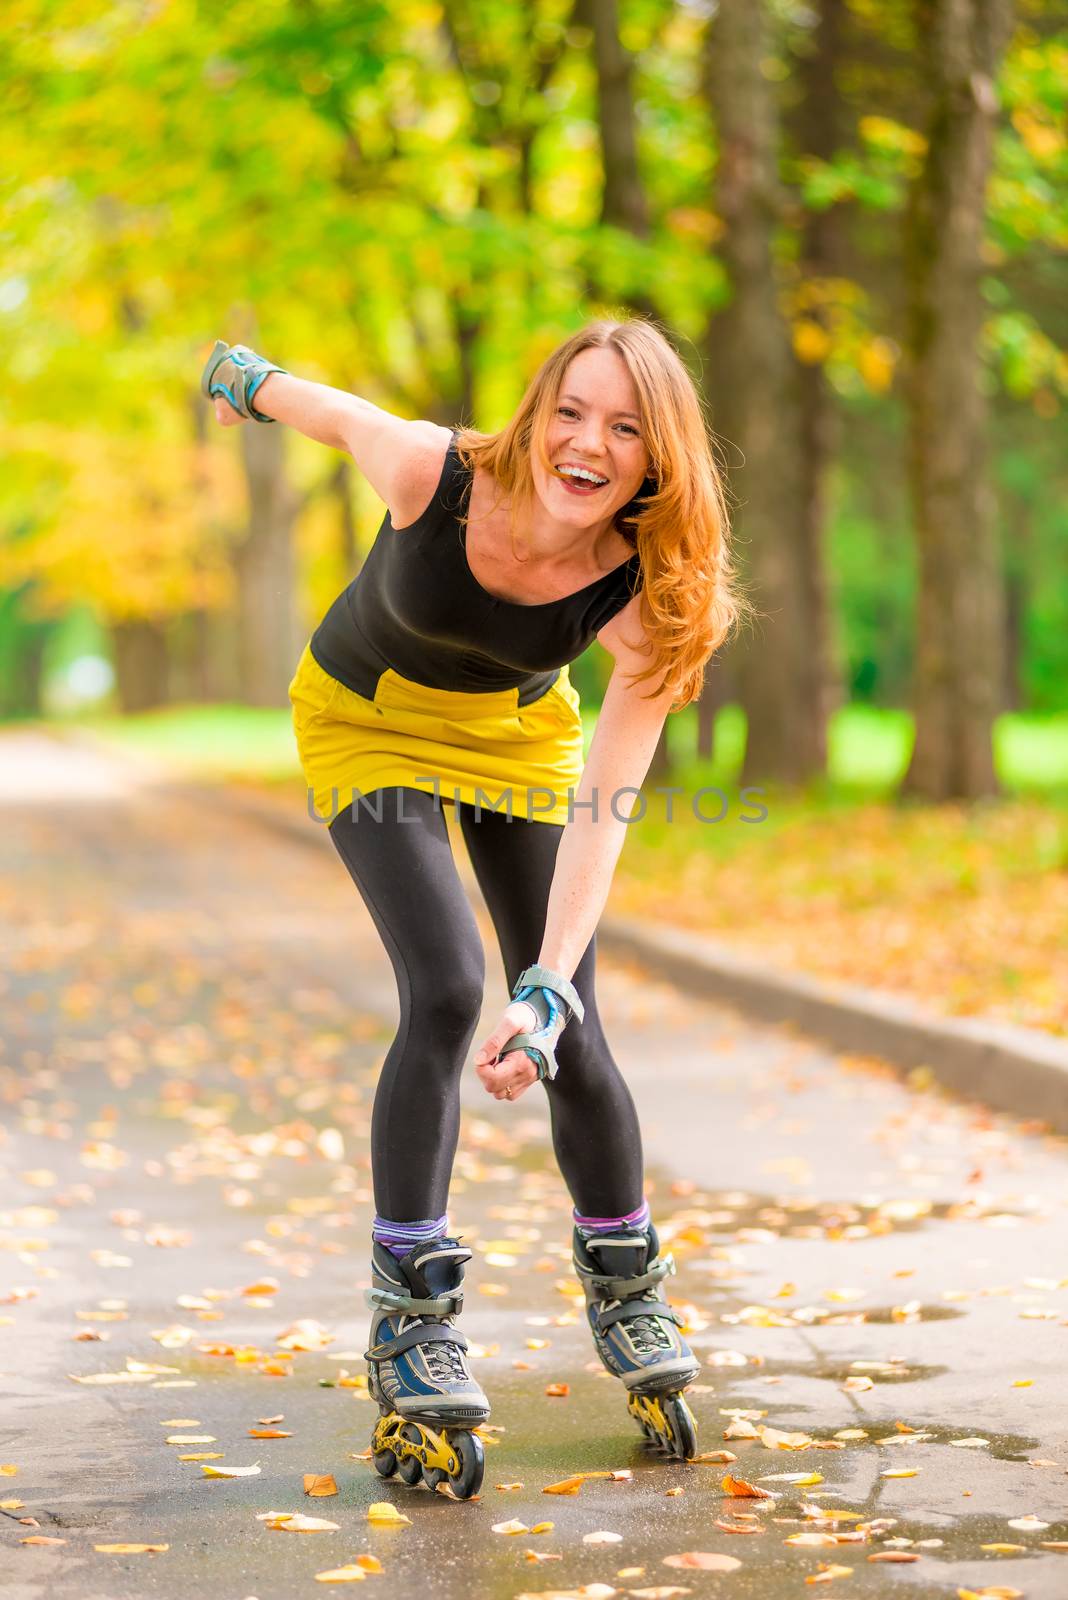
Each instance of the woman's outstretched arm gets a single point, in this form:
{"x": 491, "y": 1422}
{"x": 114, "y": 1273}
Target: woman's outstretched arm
{"x": 388, "y": 450}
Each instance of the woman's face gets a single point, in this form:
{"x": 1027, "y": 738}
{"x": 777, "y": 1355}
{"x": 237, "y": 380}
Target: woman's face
{"x": 597, "y": 426}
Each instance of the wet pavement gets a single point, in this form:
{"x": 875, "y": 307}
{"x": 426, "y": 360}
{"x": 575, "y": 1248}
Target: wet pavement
{"x": 193, "y": 1014}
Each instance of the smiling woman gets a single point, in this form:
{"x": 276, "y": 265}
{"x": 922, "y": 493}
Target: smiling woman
{"x": 440, "y": 674}
{"x": 615, "y": 401}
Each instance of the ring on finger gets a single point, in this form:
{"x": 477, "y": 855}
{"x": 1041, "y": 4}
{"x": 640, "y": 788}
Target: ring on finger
{"x": 508, "y": 1092}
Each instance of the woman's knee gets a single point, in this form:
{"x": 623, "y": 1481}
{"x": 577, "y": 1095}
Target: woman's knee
{"x": 449, "y": 999}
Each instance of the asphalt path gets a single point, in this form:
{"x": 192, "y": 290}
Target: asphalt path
{"x": 193, "y": 1015}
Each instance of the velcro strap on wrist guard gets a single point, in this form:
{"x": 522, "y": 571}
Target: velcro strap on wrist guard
{"x": 554, "y": 1000}
{"x": 235, "y": 372}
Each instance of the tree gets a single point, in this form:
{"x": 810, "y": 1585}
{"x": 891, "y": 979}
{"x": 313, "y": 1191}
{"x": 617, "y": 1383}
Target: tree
{"x": 959, "y": 672}
{"x": 756, "y": 403}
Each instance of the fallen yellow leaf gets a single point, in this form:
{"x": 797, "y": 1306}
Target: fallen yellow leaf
{"x": 130, "y": 1549}
{"x": 383, "y": 1511}
{"x": 739, "y": 1486}
{"x": 230, "y": 1472}
{"x": 704, "y": 1560}
{"x": 791, "y": 1477}
{"x": 319, "y": 1484}
{"x": 775, "y": 1439}
{"x": 296, "y": 1522}
{"x": 348, "y": 1574}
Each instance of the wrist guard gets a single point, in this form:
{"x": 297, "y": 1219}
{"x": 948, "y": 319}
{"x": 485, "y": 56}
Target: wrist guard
{"x": 555, "y": 1001}
{"x": 235, "y": 372}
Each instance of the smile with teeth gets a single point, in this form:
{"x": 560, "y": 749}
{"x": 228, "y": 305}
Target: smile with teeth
{"x": 584, "y": 476}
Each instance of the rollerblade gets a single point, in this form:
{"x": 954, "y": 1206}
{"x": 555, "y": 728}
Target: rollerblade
{"x": 418, "y": 1374}
{"x": 637, "y": 1333}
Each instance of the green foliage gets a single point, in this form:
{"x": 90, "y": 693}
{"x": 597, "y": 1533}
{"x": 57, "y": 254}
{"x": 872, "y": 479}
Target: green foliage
{"x": 403, "y": 198}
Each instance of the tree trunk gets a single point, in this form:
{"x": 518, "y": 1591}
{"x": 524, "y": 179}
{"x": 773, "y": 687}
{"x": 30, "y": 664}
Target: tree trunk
{"x": 819, "y": 125}
{"x": 959, "y": 672}
{"x": 623, "y": 203}
{"x": 1017, "y": 601}
{"x": 139, "y": 649}
{"x": 342, "y": 486}
{"x": 750, "y": 355}
{"x": 267, "y": 627}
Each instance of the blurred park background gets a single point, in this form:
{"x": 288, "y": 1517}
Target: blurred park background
{"x": 851, "y": 218}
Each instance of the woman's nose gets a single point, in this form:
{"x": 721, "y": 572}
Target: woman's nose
{"x": 589, "y": 437}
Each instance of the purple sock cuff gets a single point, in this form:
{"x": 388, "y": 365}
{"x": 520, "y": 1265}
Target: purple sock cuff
{"x": 637, "y": 1219}
{"x": 408, "y": 1233}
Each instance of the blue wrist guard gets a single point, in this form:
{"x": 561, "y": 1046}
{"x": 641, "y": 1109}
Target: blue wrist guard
{"x": 555, "y": 1001}
{"x": 235, "y": 372}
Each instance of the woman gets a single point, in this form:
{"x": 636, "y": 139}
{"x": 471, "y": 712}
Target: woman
{"x": 440, "y": 674}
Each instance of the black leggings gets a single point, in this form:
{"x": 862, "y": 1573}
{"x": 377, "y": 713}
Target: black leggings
{"x": 403, "y": 867}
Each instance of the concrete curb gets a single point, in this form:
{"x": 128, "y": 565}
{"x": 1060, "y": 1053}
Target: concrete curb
{"x": 1017, "y": 1070}
{"x": 1013, "y": 1069}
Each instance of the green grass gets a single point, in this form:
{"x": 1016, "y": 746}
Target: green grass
{"x": 212, "y": 742}
{"x": 868, "y": 748}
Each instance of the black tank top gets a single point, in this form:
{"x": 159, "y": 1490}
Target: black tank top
{"x": 416, "y": 606}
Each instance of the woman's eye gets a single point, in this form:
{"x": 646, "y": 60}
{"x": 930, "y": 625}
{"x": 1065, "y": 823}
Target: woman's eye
{"x": 566, "y": 411}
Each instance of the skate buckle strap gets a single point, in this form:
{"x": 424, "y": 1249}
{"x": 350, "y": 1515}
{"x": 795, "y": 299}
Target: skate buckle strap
{"x": 621, "y": 1288}
{"x": 628, "y": 1309}
{"x": 418, "y": 1333}
{"x": 554, "y": 1000}
{"x": 442, "y": 1305}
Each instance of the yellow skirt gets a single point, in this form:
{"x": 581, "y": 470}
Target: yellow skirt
{"x": 523, "y": 761}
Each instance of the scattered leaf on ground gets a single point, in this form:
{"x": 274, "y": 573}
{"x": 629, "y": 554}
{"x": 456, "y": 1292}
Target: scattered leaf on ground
{"x": 742, "y": 1488}
{"x": 382, "y": 1511}
{"x": 704, "y": 1560}
{"x": 319, "y": 1484}
{"x": 130, "y": 1549}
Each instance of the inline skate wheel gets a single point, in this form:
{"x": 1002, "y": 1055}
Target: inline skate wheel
{"x": 472, "y": 1458}
{"x": 410, "y": 1467}
{"x": 384, "y": 1463}
{"x": 682, "y": 1429}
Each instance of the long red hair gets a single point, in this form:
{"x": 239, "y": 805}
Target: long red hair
{"x": 678, "y": 521}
